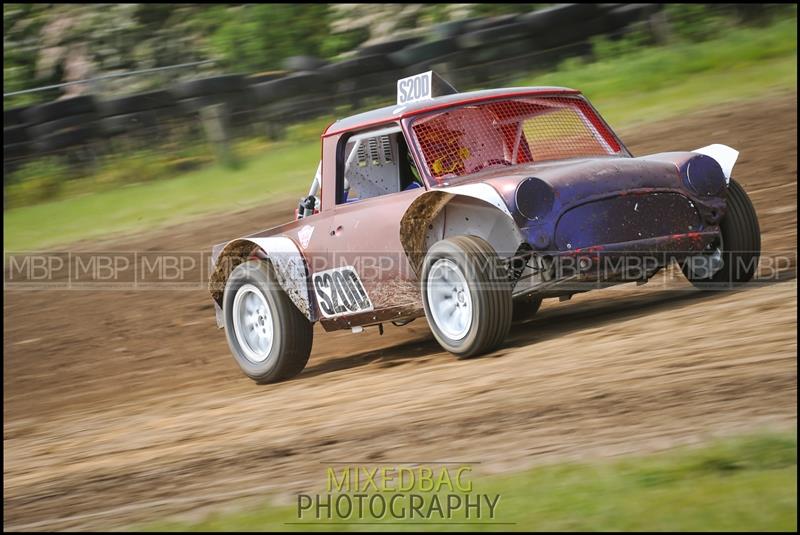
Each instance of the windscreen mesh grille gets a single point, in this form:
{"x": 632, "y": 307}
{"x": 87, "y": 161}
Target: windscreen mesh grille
{"x": 467, "y": 139}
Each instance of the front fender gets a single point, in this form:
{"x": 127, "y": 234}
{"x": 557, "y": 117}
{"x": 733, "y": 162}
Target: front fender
{"x": 422, "y": 223}
{"x": 724, "y": 155}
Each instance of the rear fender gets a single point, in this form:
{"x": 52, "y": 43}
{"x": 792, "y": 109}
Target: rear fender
{"x": 284, "y": 255}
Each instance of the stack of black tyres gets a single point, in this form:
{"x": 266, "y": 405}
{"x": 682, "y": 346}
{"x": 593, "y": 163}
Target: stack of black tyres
{"x": 137, "y": 115}
{"x": 562, "y": 23}
{"x": 230, "y": 90}
{"x": 264, "y": 77}
{"x": 471, "y": 51}
{"x": 16, "y": 139}
{"x": 61, "y": 125}
{"x": 309, "y": 93}
{"x": 621, "y": 15}
{"x": 451, "y": 29}
{"x": 420, "y": 56}
{"x": 298, "y": 96}
{"x": 364, "y": 75}
{"x": 565, "y": 30}
{"x": 457, "y": 54}
{"x": 486, "y": 43}
{"x": 303, "y": 63}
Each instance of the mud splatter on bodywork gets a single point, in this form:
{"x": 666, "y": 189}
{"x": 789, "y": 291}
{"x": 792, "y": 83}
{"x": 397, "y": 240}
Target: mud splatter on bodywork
{"x": 224, "y": 259}
{"x": 290, "y": 268}
{"x": 415, "y": 224}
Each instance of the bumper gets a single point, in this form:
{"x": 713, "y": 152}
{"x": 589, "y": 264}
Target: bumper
{"x": 632, "y": 259}
{"x": 582, "y": 269}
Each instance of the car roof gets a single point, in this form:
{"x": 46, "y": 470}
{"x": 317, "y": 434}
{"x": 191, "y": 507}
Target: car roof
{"x": 396, "y": 112}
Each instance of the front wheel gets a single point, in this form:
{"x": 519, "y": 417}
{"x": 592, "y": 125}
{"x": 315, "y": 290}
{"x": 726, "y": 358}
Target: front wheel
{"x": 268, "y": 336}
{"x": 466, "y": 295}
{"x": 733, "y": 258}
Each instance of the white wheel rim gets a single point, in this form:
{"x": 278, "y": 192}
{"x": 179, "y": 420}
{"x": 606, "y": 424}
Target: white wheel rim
{"x": 449, "y": 299}
{"x": 252, "y": 323}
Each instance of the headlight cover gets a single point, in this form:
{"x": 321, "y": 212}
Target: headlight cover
{"x": 534, "y": 198}
{"x": 703, "y": 175}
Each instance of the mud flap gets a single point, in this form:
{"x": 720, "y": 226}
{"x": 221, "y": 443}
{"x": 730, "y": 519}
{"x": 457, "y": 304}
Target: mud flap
{"x": 218, "y": 313}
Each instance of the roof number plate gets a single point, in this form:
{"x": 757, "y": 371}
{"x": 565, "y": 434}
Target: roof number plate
{"x": 414, "y": 88}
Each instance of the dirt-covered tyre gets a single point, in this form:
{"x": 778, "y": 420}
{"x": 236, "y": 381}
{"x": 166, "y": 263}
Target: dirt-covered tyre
{"x": 466, "y": 295}
{"x": 525, "y": 308}
{"x": 268, "y": 336}
{"x": 733, "y": 258}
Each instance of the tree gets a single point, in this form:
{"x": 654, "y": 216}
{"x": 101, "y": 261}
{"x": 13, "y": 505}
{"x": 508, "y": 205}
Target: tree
{"x": 259, "y": 36}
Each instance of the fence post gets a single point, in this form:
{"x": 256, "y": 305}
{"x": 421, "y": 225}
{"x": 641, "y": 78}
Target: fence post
{"x": 215, "y": 124}
{"x": 659, "y": 27}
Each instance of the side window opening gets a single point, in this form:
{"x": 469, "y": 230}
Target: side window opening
{"x": 376, "y": 163}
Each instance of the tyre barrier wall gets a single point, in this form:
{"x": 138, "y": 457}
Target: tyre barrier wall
{"x": 467, "y": 52}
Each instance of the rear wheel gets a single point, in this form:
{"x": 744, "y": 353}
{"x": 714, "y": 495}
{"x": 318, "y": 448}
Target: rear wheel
{"x": 733, "y": 258}
{"x": 466, "y": 296}
{"x": 268, "y": 336}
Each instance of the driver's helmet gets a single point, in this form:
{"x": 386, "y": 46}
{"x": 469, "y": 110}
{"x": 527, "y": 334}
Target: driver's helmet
{"x": 443, "y": 148}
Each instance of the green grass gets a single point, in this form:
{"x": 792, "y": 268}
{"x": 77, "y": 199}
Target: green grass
{"x": 747, "y": 483}
{"x": 643, "y": 85}
{"x": 279, "y": 172}
{"x": 652, "y": 83}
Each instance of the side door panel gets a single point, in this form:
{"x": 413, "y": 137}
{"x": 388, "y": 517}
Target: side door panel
{"x": 366, "y": 237}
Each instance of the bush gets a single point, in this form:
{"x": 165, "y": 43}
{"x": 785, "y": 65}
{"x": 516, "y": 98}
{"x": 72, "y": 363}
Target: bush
{"x": 36, "y": 181}
{"x": 604, "y": 47}
{"x": 697, "y": 22}
{"x": 49, "y": 178}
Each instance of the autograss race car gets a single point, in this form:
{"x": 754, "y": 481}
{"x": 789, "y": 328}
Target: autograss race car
{"x": 469, "y": 209}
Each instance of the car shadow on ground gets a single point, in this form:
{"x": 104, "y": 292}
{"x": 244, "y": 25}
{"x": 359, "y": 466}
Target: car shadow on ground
{"x": 561, "y": 321}
{"x": 550, "y": 323}
{"x": 412, "y": 351}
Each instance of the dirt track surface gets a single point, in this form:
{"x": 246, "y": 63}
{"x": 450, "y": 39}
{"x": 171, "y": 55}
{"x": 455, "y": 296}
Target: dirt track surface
{"x": 125, "y": 406}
